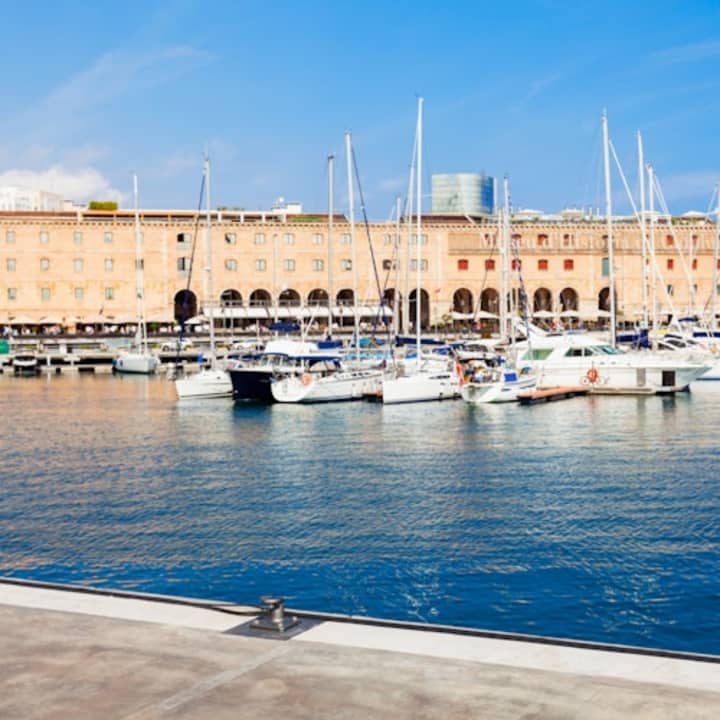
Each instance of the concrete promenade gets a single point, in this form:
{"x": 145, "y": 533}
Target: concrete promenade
{"x": 81, "y": 656}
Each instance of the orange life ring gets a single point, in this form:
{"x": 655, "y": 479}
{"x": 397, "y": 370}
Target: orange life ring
{"x": 592, "y": 375}
{"x": 460, "y": 373}
{"x": 306, "y": 379}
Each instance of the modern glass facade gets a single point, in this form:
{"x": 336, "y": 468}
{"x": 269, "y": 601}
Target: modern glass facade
{"x": 463, "y": 194}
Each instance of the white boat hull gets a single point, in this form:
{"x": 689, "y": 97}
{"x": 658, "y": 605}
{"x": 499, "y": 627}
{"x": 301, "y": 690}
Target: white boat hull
{"x": 498, "y": 391}
{"x": 421, "y": 387}
{"x": 137, "y": 363}
{"x": 622, "y": 377}
{"x": 338, "y": 387}
{"x": 205, "y": 384}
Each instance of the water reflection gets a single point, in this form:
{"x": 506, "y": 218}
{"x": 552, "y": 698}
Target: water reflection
{"x": 593, "y": 518}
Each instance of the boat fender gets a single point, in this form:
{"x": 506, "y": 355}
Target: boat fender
{"x": 306, "y": 379}
{"x": 459, "y": 371}
{"x": 592, "y": 375}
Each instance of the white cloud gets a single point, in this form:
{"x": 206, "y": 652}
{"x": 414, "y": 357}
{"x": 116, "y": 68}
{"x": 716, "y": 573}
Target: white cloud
{"x": 394, "y": 184}
{"x": 79, "y": 185}
{"x": 683, "y": 186}
{"x": 682, "y": 54}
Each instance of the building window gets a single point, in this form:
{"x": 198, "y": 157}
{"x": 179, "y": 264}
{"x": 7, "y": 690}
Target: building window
{"x": 183, "y": 238}
{"x": 11, "y": 264}
{"x": 388, "y": 239}
{"x": 12, "y": 293}
{"x": 423, "y": 264}
{"x": 108, "y": 264}
{"x": 261, "y": 264}
{"x": 423, "y": 239}
{"x": 489, "y": 264}
{"x": 463, "y": 264}
{"x": 517, "y": 239}
{"x": 567, "y": 240}
{"x": 10, "y": 236}
{"x": 44, "y": 237}
{"x": 568, "y": 264}
{"x": 694, "y": 264}
{"x": 387, "y": 264}
{"x": 670, "y": 290}
{"x": 45, "y": 293}
{"x": 317, "y": 239}
{"x": 183, "y": 264}
{"x": 44, "y": 264}
{"x": 108, "y": 238}
{"x": 79, "y": 293}
{"x": 109, "y": 293}
{"x": 346, "y": 264}
{"x": 288, "y": 264}
{"x": 542, "y": 265}
{"x": 230, "y": 238}
{"x": 542, "y": 240}
{"x": 78, "y": 265}
{"x": 77, "y": 237}
{"x": 516, "y": 264}
{"x": 346, "y": 239}
{"x": 318, "y": 265}
{"x": 140, "y": 264}
{"x": 231, "y": 264}
{"x": 259, "y": 238}
{"x": 289, "y": 239}
{"x": 669, "y": 240}
{"x": 670, "y": 264}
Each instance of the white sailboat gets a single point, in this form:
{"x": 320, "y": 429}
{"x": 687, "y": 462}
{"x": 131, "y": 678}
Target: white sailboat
{"x": 430, "y": 379}
{"x": 334, "y": 383}
{"x": 139, "y": 359}
{"x": 212, "y": 381}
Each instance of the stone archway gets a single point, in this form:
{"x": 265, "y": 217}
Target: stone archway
{"x": 260, "y": 298}
{"x": 185, "y": 305}
{"x": 463, "y": 301}
{"x": 490, "y": 301}
{"x": 424, "y": 308}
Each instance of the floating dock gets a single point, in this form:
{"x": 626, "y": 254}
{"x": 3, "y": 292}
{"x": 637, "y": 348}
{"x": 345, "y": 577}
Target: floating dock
{"x": 552, "y": 394}
{"x": 83, "y": 654}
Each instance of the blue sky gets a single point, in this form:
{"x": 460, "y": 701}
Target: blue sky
{"x": 94, "y": 91}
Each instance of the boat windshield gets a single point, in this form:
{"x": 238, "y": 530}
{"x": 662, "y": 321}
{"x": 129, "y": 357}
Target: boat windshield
{"x": 604, "y": 350}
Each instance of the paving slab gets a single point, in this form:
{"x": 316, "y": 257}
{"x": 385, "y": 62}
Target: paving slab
{"x": 60, "y": 661}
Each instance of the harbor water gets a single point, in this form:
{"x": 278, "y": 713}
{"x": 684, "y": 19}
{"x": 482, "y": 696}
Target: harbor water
{"x": 597, "y": 518}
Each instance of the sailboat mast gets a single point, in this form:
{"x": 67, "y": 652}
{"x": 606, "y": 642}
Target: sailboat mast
{"x": 504, "y": 260}
{"x": 716, "y": 252}
{"x": 141, "y": 337}
{"x": 209, "y": 301}
{"x": 331, "y": 293}
{"x": 396, "y": 266}
{"x": 418, "y": 253}
{"x": 351, "y": 208}
{"x": 653, "y": 286}
{"x": 643, "y": 232}
{"x": 408, "y": 243}
{"x": 608, "y": 216}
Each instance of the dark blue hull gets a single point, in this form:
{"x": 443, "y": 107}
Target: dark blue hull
{"x": 252, "y": 384}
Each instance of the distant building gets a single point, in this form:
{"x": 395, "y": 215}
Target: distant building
{"x": 463, "y": 194}
{"x": 287, "y": 207}
{"x": 16, "y": 199}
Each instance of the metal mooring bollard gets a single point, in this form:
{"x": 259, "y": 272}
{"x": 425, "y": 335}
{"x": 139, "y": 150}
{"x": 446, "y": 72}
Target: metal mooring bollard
{"x": 272, "y": 616}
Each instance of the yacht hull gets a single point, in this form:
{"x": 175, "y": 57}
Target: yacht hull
{"x": 136, "y": 363}
{"x": 338, "y": 387}
{"x": 205, "y": 384}
{"x": 421, "y": 387}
